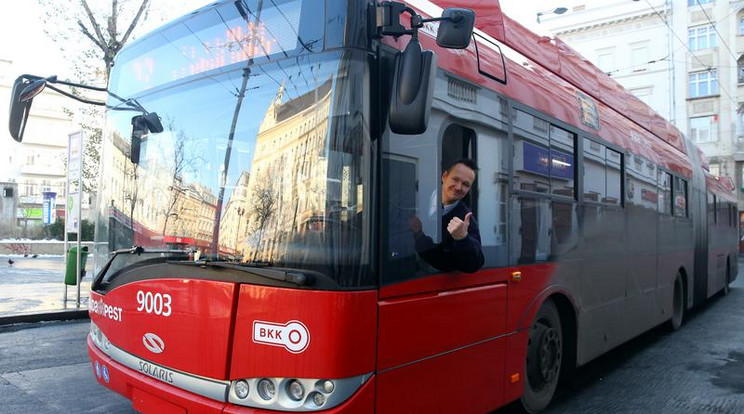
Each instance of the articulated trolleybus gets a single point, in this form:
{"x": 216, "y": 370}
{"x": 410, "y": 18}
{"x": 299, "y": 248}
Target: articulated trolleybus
{"x": 261, "y": 166}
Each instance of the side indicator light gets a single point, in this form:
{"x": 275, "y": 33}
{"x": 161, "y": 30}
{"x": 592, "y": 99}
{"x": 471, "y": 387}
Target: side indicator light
{"x": 516, "y": 276}
{"x": 514, "y": 378}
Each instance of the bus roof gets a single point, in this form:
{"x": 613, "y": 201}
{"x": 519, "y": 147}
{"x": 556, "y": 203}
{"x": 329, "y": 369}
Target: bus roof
{"x": 559, "y": 58}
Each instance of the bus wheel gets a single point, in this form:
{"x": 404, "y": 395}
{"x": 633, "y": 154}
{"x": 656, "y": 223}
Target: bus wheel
{"x": 544, "y": 357}
{"x": 678, "y": 304}
{"x": 725, "y": 290}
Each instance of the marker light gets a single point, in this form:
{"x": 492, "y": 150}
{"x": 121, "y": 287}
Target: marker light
{"x": 295, "y": 390}
{"x": 266, "y": 389}
{"x": 328, "y": 386}
{"x": 319, "y": 399}
{"x": 294, "y": 394}
{"x": 241, "y": 389}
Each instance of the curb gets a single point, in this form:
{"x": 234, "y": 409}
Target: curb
{"x": 61, "y": 315}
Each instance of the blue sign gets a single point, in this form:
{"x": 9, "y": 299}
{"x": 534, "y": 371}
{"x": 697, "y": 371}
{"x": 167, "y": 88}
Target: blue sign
{"x": 547, "y": 162}
{"x": 48, "y": 206}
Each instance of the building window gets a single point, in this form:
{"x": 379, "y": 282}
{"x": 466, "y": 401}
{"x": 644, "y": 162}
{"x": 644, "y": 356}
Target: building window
{"x": 691, "y": 3}
{"x": 741, "y": 25}
{"x": 703, "y": 129}
{"x": 740, "y": 69}
{"x": 28, "y": 188}
{"x": 702, "y": 37}
{"x": 740, "y": 121}
{"x": 606, "y": 59}
{"x": 639, "y": 56}
{"x": 704, "y": 83}
{"x": 715, "y": 169}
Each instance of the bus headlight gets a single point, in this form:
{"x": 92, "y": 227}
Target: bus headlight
{"x": 241, "y": 389}
{"x": 295, "y": 390}
{"x": 294, "y": 394}
{"x": 99, "y": 339}
{"x": 266, "y": 389}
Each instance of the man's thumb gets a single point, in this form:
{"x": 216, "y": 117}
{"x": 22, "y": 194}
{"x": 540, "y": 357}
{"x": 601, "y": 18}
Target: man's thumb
{"x": 467, "y": 218}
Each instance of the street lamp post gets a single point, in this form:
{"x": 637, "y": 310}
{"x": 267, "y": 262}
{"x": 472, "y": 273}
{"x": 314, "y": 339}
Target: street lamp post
{"x": 240, "y": 212}
{"x": 557, "y": 10}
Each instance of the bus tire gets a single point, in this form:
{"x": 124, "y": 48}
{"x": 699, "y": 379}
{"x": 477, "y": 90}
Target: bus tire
{"x": 544, "y": 358}
{"x": 678, "y": 304}
{"x": 725, "y": 290}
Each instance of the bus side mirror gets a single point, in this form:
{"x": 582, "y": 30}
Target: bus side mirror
{"x": 20, "y": 104}
{"x": 456, "y": 28}
{"x": 412, "y": 90}
{"x": 141, "y": 126}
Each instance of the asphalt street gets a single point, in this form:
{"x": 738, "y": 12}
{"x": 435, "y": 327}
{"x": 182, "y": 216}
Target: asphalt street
{"x": 44, "y": 367}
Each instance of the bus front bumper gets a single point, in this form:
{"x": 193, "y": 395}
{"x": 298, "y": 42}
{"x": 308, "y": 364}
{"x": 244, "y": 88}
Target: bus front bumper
{"x": 149, "y": 395}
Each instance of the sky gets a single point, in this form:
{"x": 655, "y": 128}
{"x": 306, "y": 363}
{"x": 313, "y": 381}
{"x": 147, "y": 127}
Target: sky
{"x": 32, "y": 52}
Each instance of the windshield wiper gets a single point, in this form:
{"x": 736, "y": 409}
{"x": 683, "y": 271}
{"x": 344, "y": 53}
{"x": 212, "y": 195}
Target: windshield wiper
{"x": 138, "y": 250}
{"x": 297, "y": 277}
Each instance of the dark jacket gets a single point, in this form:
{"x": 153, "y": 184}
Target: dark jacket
{"x": 450, "y": 255}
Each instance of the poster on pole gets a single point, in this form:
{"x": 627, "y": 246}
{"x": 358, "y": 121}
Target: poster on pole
{"x": 74, "y": 159}
{"x": 72, "y": 216}
{"x": 74, "y": 183}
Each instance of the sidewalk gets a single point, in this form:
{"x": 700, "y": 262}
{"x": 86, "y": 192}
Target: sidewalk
{"x": 31, "y": 290}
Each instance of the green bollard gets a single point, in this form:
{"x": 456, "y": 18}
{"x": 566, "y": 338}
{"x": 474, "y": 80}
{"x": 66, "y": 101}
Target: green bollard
{"x": 72, "y": 262}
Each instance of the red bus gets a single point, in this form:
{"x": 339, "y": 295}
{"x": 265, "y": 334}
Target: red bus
{"x": 298, "y": 138}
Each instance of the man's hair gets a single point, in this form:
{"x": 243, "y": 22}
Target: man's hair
{"x": 464, "y": 161}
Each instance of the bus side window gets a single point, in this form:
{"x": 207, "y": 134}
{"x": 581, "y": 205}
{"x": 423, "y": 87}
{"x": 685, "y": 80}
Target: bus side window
{"x": 665, "y": 193}
{"x": 595, "y": 172}
{"x": 712, "y": 212}
{"x": 458, "y": 142}
{"x": 410, "y": 189}
{"x": 680, "y": 197}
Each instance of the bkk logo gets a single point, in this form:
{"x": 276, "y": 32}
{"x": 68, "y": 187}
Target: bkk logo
{"x": 153, "y": 343}
{"x": 293, "y": 335}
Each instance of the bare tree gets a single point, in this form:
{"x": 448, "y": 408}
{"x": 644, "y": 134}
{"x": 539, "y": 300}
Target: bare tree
{"x": 263, "y": 201}
{"x": 92, "y": 38}
{"x": 177, "y": 188}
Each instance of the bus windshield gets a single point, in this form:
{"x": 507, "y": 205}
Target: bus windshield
{"x": 261, "y": 161}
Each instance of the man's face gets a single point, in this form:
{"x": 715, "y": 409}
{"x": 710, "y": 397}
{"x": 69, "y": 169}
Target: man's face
{"x": 456, "y": 183}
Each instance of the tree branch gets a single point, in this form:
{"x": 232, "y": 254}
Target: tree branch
{"x": 101, "y": 39}
{"x": 134, "y": 21}
{"x": 113, "y": 20}
{"x": 90, "y": 36}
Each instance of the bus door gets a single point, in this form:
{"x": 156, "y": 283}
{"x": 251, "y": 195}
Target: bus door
{"x": 441, "y": 334}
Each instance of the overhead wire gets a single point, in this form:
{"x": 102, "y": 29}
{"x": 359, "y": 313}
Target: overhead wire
{"x": 716, "y": 29}
{"x": 709, "y": 68}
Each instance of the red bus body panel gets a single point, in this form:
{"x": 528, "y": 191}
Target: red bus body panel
{"x": 341, "y": 326}
{"x": 196, "y": 334}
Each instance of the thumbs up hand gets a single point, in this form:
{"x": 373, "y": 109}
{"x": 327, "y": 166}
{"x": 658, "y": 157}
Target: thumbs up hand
{"x": 459, "y": 228}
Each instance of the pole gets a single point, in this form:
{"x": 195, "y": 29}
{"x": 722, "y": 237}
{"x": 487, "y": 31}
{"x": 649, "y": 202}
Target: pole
{"x": 64, "y": 285}
{"x": 79, "y": 206}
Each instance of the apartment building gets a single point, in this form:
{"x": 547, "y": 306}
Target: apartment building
{"x": 36, "y": 166}
{"x": 684, "y": 58}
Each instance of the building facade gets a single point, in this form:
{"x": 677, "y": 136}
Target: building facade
{"x": 684, "y": 58}
{"x": 36, "y": 166}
